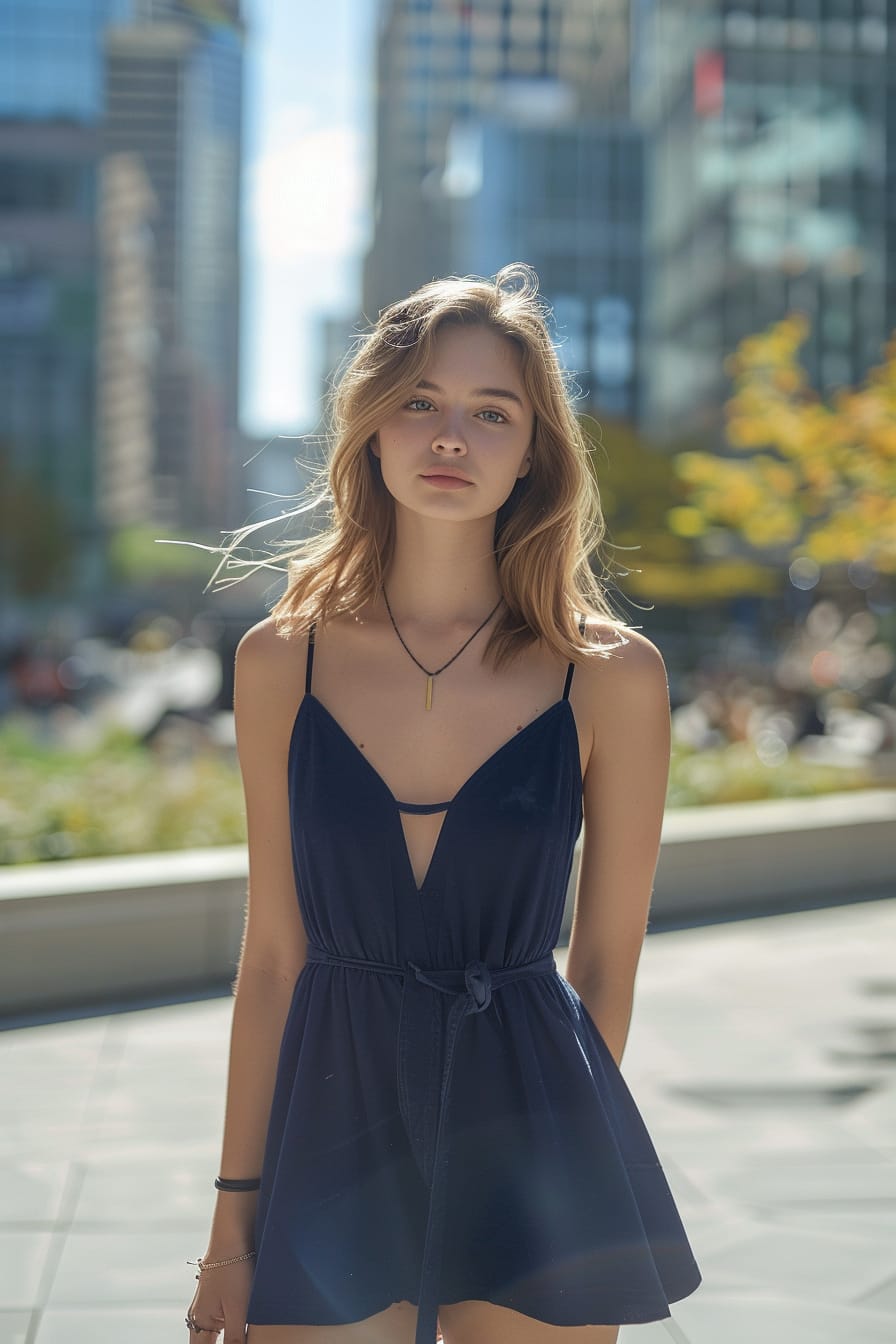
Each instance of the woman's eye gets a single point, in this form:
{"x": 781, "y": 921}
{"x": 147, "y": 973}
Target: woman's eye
{"x": 418, "y": 401}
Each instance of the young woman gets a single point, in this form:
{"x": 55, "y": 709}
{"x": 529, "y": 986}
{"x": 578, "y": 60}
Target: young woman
{"x": 426, "y": 1129}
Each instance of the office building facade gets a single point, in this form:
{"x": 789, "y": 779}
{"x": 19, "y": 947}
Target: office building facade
{"x": 503, "y": 136}
{"x": 120, "y": 149}
{"x": 51, "y": 109}
{"x": 770, "y": 134}
{"x": 174, "y": 108}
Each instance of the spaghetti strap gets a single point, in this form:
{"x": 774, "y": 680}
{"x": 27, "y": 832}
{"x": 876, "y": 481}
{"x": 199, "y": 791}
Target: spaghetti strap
{"x": 309, "y": 659}
{"x": 572, "y": 666}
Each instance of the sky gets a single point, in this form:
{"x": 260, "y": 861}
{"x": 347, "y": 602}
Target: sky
{"x": 308, "y": 165}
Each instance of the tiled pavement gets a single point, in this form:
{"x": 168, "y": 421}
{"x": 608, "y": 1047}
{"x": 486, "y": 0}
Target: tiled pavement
{"x": 762, "y": 1054}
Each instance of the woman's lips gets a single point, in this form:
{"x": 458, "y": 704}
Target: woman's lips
{"x": 447, "y": 482}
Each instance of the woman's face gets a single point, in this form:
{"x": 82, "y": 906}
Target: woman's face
{"x": 468, "y": 414}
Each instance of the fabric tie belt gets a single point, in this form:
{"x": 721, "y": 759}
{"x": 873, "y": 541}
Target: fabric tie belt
{"x": 472, "y": 990}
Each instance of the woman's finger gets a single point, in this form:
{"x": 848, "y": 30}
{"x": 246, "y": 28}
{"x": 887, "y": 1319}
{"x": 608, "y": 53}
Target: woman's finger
{"x": 202, "y": 1332}
{"x": 206, "y": 1333}
{"x": 203, "y": 1324}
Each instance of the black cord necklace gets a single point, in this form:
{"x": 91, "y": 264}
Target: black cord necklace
{"x": 430, "y": 675}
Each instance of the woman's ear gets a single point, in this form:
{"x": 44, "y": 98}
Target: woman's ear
{"x": 527, "y": 460}
{"x": 373, "y": 444}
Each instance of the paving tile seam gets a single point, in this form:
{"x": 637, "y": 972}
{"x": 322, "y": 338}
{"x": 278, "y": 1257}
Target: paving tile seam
{"x": 676, "y": 1333}
{"x": 64, "y": 1224}
{"x": 879, "y": 1286}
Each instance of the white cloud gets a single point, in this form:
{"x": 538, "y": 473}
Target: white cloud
{"x": 307, "y": 190}
{"x": 307, "y": 224}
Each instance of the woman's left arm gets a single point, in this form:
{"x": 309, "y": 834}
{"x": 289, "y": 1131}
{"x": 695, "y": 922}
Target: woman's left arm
{"x": 625, "y": 787}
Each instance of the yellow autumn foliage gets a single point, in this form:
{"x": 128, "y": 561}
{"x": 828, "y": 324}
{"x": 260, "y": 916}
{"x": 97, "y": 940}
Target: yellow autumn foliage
{"x": 686, "y": 521}
{"x": 819, "y": 475}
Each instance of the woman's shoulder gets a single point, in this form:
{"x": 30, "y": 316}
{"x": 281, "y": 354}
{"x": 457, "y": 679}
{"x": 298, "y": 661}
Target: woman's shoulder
{"x": 269, "y": 660}
{"x": 266, "y": 642}
{"x": 622, "y": 668}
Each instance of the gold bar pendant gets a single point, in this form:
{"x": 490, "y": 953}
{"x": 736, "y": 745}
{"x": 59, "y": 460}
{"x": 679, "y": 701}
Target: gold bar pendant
{"x": 429, "y": 690}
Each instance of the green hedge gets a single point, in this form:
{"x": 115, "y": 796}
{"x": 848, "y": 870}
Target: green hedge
{"x": 735, "y": 774}
{"x": 119, "y": 798}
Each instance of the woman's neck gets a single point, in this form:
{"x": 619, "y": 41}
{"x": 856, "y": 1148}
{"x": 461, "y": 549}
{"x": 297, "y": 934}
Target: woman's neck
{"x": 444, "y": 579}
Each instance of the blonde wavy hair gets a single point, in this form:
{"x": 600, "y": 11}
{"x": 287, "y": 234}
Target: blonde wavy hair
{"x": 546, "y": 531}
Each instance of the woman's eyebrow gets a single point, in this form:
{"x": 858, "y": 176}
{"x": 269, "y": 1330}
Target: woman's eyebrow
{"x": 477, "y": 391}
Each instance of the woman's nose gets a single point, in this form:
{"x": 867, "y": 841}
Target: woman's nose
{"x": 449, "y": 432}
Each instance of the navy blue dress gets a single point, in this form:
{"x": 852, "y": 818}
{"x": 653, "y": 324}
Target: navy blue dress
{"x": 447, "y": 1121}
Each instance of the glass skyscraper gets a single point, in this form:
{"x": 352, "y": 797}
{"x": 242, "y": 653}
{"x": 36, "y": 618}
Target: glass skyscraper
{"x": 51, "y": 108}
{"x": 501, "y": 136}
{"x": 119, "y": 270}
{"x": 770, "y": 129}
{"x": 51, "y": 58}
{"x": 174, "y": 106}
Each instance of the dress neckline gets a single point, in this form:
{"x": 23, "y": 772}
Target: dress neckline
{"x": 310, "y": 699}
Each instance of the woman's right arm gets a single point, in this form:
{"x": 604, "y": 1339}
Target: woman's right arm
{"x": 274, "y": 943}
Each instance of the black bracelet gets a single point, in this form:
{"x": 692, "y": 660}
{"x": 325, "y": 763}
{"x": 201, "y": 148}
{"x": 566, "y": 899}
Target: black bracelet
{"x": 252, "y": 1183}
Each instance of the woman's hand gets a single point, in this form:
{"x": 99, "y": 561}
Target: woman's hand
{"x": 220, "y": 1301}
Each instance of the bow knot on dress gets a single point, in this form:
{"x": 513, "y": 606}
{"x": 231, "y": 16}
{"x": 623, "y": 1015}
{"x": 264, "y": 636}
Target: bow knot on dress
{"x": 479, "y": 984}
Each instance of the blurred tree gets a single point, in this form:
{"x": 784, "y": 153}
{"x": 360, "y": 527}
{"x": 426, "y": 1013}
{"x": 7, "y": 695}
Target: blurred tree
{"x": 36, "y": 539}
{"x": 826, "y": 484}
{"x": 636, "y": 482}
